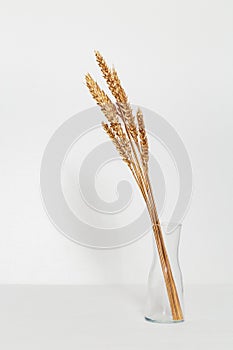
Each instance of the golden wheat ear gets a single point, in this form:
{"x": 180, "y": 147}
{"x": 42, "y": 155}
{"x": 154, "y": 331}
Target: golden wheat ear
{"x": 102, "y": 99}
{"x": 112, "y": 79}
{"x": 106, "y": 71}
{"x": 118, "y": 92}
{"x": 114, "y": 85}
{"x": 97, "y": 93}
{"x": 143, "y": 138}
{"x": 118, "y": 142}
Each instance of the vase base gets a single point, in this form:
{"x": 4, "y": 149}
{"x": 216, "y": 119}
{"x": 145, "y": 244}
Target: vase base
{"x": 163, "y": 321}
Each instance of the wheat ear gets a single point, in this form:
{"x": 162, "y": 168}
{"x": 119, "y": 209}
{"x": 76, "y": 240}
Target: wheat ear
{"x": 114, "y": 84}
{"x": 112, "y": 79}
{"x": 143, "y": 138}
{"x": 122, "y": 148}
{"x": 102, "y": 99}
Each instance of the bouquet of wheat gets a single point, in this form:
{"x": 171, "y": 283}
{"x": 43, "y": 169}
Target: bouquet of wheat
{"x": 128, "y": 134}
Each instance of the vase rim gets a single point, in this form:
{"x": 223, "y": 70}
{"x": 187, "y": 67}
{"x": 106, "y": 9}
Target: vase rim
{"x": 169, "y": 227}
{"x": 167, "y": 223}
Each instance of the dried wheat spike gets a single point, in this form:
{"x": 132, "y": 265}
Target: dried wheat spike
{"x": 102, "y": 99}
{"x": 122, "y": 149}
{"x": 119, "y": 91}
{"x": 122, "y": 138}
{"x": 143, "y": 138}
{"x": 127, "y": 113}
{"x": 106, "y": 71}
{"x": 97, "y": 93}
{"x": 112, "y": 79}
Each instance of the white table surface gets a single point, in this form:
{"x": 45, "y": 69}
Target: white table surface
{"x": 110, "y": 317}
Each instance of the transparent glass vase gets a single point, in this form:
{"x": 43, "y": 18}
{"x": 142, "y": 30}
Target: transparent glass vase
{"x": 164, "y": 302}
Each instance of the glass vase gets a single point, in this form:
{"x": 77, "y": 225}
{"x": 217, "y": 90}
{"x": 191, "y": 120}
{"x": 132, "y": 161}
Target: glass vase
{"x": 164, "y": 302}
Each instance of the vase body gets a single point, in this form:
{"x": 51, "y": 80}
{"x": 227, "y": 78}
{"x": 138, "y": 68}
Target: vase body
{"x": 158, "y": 304}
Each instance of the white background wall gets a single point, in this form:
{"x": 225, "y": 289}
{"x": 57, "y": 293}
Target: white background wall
{"x": 182, "y": 54}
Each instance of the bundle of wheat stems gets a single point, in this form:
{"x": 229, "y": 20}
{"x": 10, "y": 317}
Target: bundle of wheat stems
{"x": 128, "y": 134}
